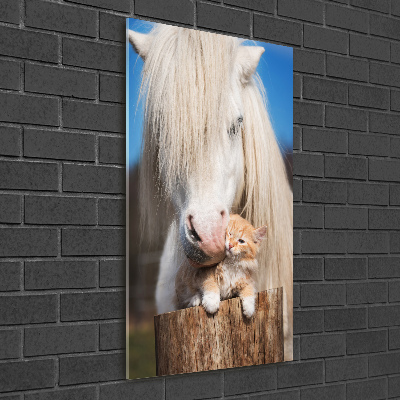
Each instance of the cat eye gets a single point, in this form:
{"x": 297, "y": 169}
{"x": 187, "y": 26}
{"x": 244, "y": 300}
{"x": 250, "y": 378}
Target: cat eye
{"x": 241, "y": 241}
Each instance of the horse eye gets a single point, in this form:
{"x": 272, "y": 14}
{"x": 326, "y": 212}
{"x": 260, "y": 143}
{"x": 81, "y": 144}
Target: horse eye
{"x": 240, "y": 120}
{"x": 234, "y": 127}
{"x": 241, "y": 241}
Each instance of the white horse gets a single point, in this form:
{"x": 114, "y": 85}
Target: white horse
{"x": 209, "y": 150}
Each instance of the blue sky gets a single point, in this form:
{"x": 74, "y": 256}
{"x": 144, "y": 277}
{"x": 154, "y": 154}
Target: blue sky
{"x": 275, "y": 69}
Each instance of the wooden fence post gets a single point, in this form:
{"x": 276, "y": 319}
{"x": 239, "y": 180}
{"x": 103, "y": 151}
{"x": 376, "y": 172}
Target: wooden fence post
{"x": 191, "y": 340}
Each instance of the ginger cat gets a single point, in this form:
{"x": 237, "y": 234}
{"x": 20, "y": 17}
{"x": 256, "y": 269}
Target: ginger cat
{"x": 234, "y": 276}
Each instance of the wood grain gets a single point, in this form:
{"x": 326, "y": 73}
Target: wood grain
{"x": 191, "y": 340}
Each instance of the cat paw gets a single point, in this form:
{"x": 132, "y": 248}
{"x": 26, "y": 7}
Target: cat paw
{"x": 211, "y": 302}
{"x": 249, "y": 306}
{"x": 195, "y": 301}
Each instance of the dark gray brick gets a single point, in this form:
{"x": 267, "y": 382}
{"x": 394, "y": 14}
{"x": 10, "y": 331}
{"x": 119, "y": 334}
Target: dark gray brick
{"x": 367, "y": 242}
{"x": 18, "y": 310}
{"x": 339, "y": 319}
{"x": 213, "y": 16}
{"x": 345, "y": 268}
{"x": 394, "y": 52}
{"x": 299, "y": 374}
{"x": 10, "y": 344}
{"x": 112, "y": 88}
{"x": 346, "y": 68}
{"x": 88, "y": 369}
{"x": 346, "y": 18}
{"x": 308, "y": 269}
{"x": 384, "y": 267}
{"x": 308, "y": 10}
{"x": 377, "y": 5}
{"x": 395, "y": 147}
{"x": 9, "y": 11}
{"x": 87, "y": 54}
{"x": 326, "y": 39}
{"x": 384, "y": 170}
{"x": 248, "y": 380}
{"x": 363, "y": 46}
{"x": 112, "y": 336}
{"x": 144, "y": 389}
{"x": 296, "y": 138}
{"x": 367, "y": 193}
{"x": 308, "y": 216}
{"x": 395, "y": 8}
{"x": 27, "y": 109}
{"x": 315, "y": 294}
{"x": 394, "y": 386}
{"x": 369, "y": 145}
{"x": 324, "y": 191}
{"x": 26, "y": 242}
{"x": 347, "y": 118}
{"x": 85, "y": 393}
{"x": 112, "y": 212}
{"x": 277, "y": 30}
{"x": 296, "y": 242}
{"x": 296, "y": 86}
{"x": 383, "y": 364}
{"x": 346, "y": 218}
{"x": 90, "y": 242}
{"x": 308, "y": 321}
{"x": 27, "y": 44}
{"x": 60, "y": 340}
{"x": 380, "y": 316}
{"x": 59, "y": 145}
{"x": 88, "y": 178}
{"x": 366, "y": 342}
{"x": 117, "y": 5}
{"x": 384, "y": 219}
{"x": 395, "y": 100}
{"x": 112, "y": 27}
{"x": 307, "y": 113}
{"x": 384, "y": 26}
{"x": 308, "y": 61}
{"x": 367, "y": 292}
{"x": 394, "y": 195}
{"x": 60, "y": 274}
{"x": 395, "y": 242}
{"x": 394, "y": 291}
{"x": 331, "y": 141}
{"x": 60, "y": 81}
{"x": 192, "y": 386}
{"x": 286, "y": 395}
{"x": 324, "y": 90}
{"x": 384, "y": 123}
{"x": 369, "y": 96}
{"x": 317, "y": 346}
{"x": 10, "y": 74}
{"x": 46, "y": 210}
{"x": 394, "y": 338}
{"x": 256, "y": 5}
{"x": 112, "y": 273}
{"x": 337, "y": 392}
{"x": 112, "y": 150}
{"x": 60, "y": 17}
{"x": 27, "y": 375}
{"x": 346, "y": 167}
{"x": 10, "y": 209}
{"x": 10, "y": 273}
{"x": 169, "y": 10}
{"x": 385, "y": 74}
{"x": 98, "y": 117}
{"x": 10, "y": 141}
{"x": 341, "y": 369}
{"x": 320, "y": 242}
{"x": 369, "y": 390}
{"x": 92, "y": 306}
{"x": 308, "y": 164}
{"x": 297, "y": 189}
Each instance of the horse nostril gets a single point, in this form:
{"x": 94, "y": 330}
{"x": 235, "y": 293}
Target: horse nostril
{"x": 195, "y": 236}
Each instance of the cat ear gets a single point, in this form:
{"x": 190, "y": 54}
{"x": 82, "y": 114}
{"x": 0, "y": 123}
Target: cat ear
{"x": 247, "y": 59}
{"x": 141, "y": 43}
{"x": 259, "y": 234}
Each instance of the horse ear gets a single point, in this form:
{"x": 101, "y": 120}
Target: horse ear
{"x": 259, "y": 234}
{"x": 247, "y": 60}
{"x": 141, "y": 43}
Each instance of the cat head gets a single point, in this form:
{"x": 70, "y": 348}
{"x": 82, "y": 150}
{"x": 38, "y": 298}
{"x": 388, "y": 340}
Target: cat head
{"x": 242, "y": 239}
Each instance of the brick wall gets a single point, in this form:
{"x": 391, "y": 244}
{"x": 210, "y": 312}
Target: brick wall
{"x": 62, "y": 66}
